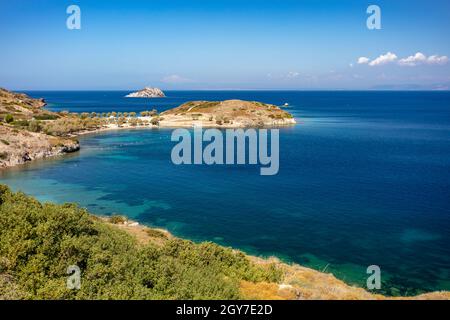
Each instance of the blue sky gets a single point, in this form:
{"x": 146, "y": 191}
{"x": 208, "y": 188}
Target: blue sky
{"x": 218, "y": 44}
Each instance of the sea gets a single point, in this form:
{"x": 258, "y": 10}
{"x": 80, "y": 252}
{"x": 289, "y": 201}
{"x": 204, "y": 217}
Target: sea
{"x": 364, "y": 179}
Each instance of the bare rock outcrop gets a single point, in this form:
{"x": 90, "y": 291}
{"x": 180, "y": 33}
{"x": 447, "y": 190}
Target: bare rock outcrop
{"x": 21, "y": 146}
{"x": 147, "y": 92}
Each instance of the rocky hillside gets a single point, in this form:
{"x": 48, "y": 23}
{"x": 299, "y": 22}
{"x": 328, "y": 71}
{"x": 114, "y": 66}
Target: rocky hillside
{"x": 147, "y": 92}
{"x": 21, "y": 146}
{"x": 226, "y": 114}
{"x": 20, "y": 106}
{"x": 20, "y": 119}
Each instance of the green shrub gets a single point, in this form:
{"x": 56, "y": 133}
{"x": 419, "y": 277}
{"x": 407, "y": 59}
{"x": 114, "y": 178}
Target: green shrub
{"x": 3, "y": 155}
{"x": 9, "y": 118}
{"x": 20, "y": 123}
{"x": 39, "y": 241}
{"x": 46, "y": 117}
{"x": 4, "y": 142}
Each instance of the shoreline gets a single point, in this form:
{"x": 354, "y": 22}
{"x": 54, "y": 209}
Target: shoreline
{"x": 172, "y": 125}
{"x": 32, "y": 132}
{"x": 146, "y": 254}
{"x": 115, "y": 127}
{"x": 287, "y": 289}
{"x": 298, "y": 282}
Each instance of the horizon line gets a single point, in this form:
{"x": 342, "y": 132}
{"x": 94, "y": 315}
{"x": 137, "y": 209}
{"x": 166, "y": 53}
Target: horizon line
{"x": 267, "y": 90}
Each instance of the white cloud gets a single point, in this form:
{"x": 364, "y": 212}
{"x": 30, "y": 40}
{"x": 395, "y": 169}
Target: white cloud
{"x": 383, "y": 59}
{"x": 437, "y": 60}
{"x": 363, "y": 60}
{"x": 414, "y": 60}
{"x": 420, "y": 58}
{"x": 174, "y": 78}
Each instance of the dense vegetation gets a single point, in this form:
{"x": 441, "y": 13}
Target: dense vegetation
{"x": 38, "y": 242}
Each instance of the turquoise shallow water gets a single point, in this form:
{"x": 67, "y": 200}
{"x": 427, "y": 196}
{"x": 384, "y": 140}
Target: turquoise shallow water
{"x": 364, "y": 179}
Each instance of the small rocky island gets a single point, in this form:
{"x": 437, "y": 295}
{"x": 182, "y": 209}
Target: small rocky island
{"x": 147, "y": 92}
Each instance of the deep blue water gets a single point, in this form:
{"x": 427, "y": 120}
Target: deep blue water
{"x": 364, "y": 179}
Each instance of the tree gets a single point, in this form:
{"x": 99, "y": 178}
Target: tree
{"x": 155, "y": 121}
{"x": 84, "y": 115}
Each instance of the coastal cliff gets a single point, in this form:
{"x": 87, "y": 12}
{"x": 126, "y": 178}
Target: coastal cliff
{"x": 18, "y": 147}
{"x": 147, "y": 92}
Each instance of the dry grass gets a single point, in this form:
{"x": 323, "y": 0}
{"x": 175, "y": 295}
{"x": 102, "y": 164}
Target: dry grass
{"x": 308, "y": 284}
{"x": 228, "y": 113}
{"x": 20, "y": 106}
{"x": 299, "y": 283}
{"x": 266, "y": 291}
{"x": 143, "y": 234}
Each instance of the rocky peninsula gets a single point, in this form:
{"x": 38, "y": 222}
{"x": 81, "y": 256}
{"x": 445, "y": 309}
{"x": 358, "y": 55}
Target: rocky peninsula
{"x": 226, "y": 114}
{"x": 147, "y": 92}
